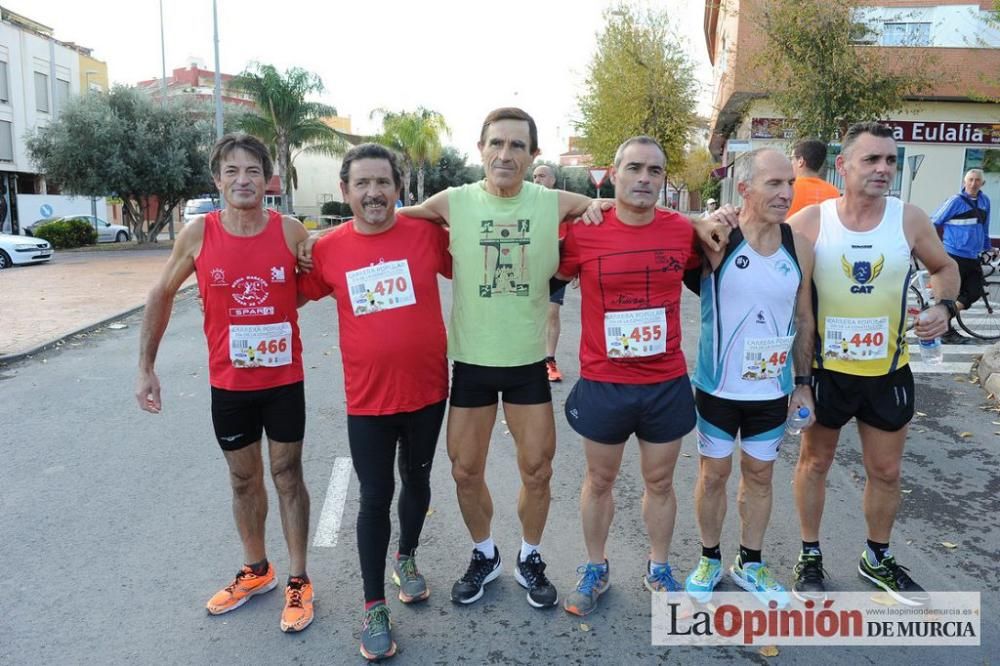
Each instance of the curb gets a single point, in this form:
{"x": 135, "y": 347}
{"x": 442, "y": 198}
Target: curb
{"x": 18, "y": 356}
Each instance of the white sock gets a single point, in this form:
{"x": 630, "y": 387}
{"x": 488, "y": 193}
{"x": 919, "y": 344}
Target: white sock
{"x": 487, "y": 547}
{"x": 527, "y": 549}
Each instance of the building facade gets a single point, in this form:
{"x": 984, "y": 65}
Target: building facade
{"x": 38, "y": 74}
{"x": 950, "y": 129}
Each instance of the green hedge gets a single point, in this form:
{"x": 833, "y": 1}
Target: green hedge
{"x": 69, "y": 233}
{"x": 340, "y": 208}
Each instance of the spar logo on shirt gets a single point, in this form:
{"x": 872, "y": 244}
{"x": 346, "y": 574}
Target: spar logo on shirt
{"x": 862, "y": 273}
{"x": 251, "y": 292}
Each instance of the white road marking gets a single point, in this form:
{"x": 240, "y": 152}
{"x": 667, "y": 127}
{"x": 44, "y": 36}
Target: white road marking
{"x": 948, "y": 367}
{"x": 333, "y": 506}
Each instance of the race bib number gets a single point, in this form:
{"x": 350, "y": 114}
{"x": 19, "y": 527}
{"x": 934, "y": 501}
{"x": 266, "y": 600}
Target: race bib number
{"x": 381, "y": 287}
{"x": 264, "y": 346}
{"x": 856, "y": 339}
{"x": 765, "y": 358}
{"x": 633, "y": 333}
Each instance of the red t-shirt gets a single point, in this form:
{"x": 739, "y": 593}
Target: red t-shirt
{"x": 247, "y": 284}
{"x": 393, "y": 343}
{"x": 630, "y": 282}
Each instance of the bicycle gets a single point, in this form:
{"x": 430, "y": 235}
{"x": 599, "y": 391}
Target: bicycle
{"x": 984, "y": 324}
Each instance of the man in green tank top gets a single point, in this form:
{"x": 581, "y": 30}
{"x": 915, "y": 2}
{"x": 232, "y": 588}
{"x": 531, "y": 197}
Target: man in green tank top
{"x": 504, "y": 244}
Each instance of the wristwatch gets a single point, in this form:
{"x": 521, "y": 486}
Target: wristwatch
{"x": 950, "y": 305}
{"x": 805, "y": 380}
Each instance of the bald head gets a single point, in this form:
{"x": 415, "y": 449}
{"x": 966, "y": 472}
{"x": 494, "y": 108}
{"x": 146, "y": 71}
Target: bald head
{"x": 544, "y": 175}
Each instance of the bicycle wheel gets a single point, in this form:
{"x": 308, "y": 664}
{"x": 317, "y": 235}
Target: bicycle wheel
{"x": 982, "y": 320}
{"x": 914, "y": 306}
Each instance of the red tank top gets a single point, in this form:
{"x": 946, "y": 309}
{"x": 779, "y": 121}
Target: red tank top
{"x": 247, "y": 284}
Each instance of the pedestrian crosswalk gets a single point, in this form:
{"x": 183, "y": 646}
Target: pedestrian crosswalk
{"x": 958, "y": 359}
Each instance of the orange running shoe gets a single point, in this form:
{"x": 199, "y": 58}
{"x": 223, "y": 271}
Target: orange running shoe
{"x": 245, "y": 585}
{"x": 298, "y": 613}
{"x": 553, "y": 370}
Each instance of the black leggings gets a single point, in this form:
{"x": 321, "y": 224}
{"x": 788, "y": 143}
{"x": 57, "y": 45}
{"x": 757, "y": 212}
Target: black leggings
{"x": 373, "y": 447}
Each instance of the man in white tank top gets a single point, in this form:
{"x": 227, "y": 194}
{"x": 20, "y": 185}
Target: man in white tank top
{"x": 860, "y": 368}
{"x": 757, "y": 322}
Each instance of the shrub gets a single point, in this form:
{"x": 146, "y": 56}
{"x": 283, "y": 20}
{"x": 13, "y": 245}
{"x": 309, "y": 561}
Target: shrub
{"x": 339, "y": 208}
{"x": 67, "y": 233}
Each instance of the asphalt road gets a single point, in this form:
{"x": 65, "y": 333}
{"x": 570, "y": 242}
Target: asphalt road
{"x": 115, "y": 525}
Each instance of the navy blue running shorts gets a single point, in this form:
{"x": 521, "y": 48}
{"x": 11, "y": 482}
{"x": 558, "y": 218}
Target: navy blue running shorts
{"x": 609, "y": 413}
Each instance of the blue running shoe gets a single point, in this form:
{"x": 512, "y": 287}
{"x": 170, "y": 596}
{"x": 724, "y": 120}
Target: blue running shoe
{"x": 661, "y": 579}
{"x": 755, "y": 577}
{"x": 594, "y": 581}
{"x": 703, "y": 579}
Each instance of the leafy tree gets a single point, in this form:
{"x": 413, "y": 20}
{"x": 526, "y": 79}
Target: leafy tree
{"x": 819, "y": 75}
{"x": 450, "y": 170}
{"x": 417, "y": 136}
{"x": 694, "y": 171}
{"x": 640, "y": 81}
{"x": 285, "y": 121}
{"x": 122, "y": 144}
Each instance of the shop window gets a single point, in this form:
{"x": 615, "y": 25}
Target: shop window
{"x": 987, "y": 159}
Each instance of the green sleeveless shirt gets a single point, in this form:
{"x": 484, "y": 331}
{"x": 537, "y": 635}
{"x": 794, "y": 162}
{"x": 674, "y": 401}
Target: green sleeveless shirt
{"x": 504, "y": 251}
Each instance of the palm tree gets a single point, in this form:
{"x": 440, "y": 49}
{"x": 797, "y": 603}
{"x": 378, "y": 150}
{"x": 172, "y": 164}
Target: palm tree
{"x": 417, "y": 135}
{"x": 285, "y": 121}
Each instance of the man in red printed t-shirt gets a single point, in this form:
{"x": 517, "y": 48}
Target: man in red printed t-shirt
{"x": 633, "y": 375}
{"x": 382, "y": 269}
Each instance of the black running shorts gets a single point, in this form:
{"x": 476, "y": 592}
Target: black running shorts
{"x": 884, "y": 402}
{"x": 478, "y": 385}
{"x": 240, "y": 417}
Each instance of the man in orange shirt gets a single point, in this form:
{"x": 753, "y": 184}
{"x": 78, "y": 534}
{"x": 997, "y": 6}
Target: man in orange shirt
{"x": 808, "y": 157}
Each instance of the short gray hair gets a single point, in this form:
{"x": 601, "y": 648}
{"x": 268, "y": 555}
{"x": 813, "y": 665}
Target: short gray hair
{"x": 979, "y": 172}
{"x": 747, "y": 167}
{"x": 642, "y": 139}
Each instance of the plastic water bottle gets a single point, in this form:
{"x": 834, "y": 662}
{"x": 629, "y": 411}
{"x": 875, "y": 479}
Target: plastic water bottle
{"x": 797, "y": 421}
{"x": 930, "y": 350}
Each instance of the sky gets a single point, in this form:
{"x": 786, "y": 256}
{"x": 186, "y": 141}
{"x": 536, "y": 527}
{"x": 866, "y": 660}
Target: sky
{"x": 461, "y": 58}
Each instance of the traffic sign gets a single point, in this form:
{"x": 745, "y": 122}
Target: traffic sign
{"x": 915, "y": 162}
{"x": 597, "y": 176}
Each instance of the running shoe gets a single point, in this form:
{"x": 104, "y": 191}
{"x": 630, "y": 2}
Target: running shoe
{"x": 531, "y": 575}
{"x": 755, "y": 577}
{"x": 469, "y": 588}
{"x": 245, "y": 585}
{"x": 376, "y": 634}
{"x": 661, "y": 579}
{"x": 594, "y": 581}
{"x": 894, "y": 579}
{"x": 298, "y": 613}
{"x": 553, "y": 370}
{"x": 809, "y": 574}
{"x": 411, "y": 583}
{"x": 702, "y": 581}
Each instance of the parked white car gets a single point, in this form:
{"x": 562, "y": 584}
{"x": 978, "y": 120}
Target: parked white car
{"x": 23, "y": 250}
{"x": 195, "y": 207}
{"x": 106, "y": 232}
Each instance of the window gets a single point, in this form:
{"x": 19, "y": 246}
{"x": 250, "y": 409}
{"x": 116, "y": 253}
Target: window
{"x": 6, "y": 142}
{"x": 62, "y": 94}
{"x": 42, "y": 92}
{"x": 987, "y": 159}
{"x": 906, "y": 34}
{"x": 4, "y": 88}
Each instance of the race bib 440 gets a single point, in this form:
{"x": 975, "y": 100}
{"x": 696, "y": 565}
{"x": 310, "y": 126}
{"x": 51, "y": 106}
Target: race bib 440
{"x": 856, "y": 338}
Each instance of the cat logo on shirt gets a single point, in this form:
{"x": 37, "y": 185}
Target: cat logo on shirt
{"x": 862, "y": 273}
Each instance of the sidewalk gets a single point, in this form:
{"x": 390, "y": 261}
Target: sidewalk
{"x": 75, "y": 291}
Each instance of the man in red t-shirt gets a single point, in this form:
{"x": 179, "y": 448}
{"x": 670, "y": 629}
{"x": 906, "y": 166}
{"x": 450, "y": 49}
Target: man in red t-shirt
{"x": 382, "y": 268}
{"x": 633, "y": 375}
{"x": 244, "y": 257}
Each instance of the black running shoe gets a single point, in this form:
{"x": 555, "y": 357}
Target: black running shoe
{"x": 469, "y": 588}
{"x": 531, "y": 575}
{"x": 894, "y": 579}
{"x": 809, "y": 575}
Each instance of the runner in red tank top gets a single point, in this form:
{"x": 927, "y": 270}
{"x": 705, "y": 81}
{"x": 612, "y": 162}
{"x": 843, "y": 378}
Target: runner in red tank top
{"x": 244, "y": 257}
